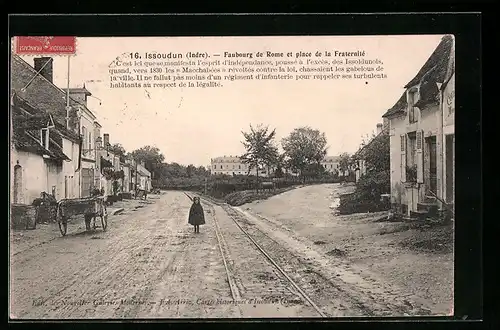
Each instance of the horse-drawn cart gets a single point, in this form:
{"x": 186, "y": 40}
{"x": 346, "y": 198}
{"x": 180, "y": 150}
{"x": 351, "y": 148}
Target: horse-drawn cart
{"x": 90, "y": 208}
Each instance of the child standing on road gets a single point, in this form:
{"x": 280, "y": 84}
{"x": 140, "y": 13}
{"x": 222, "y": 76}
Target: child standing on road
{"x": 196, "y": 215}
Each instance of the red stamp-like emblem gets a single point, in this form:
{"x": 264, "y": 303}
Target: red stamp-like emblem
{"x": 45, "y": 45}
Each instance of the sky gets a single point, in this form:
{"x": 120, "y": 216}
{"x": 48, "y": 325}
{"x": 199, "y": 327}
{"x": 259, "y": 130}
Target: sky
{"x": 193, "y": 125}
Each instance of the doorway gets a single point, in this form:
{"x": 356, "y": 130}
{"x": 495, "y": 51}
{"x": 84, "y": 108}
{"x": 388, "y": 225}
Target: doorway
{"x": 450, "y": 168}
{"x": 431, "y": 147}
{"x": 18, "y": 184}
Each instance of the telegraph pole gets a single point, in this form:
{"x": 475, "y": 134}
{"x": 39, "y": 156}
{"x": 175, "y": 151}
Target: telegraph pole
{"x": 136, "y": 175}
{"x": 67, "y": 96}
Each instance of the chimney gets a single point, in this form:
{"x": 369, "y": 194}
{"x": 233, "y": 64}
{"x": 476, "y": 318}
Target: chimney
{"x": 106, "y": 140}
{"x": 379, "y": 128}
{"x": 46, "y": 72}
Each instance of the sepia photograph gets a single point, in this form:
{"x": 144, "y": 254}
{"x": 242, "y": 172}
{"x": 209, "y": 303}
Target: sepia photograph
{"x": 231, "y": 177}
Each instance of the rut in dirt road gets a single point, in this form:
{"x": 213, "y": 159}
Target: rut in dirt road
{"x": 145, "y": 262}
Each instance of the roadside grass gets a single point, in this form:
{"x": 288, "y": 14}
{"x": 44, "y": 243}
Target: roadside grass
{"x": 239, "y": 198}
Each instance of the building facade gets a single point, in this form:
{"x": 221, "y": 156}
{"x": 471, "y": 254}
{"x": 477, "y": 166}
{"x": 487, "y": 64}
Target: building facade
{"x": 144, "y": 177}
{"x": 34, "y": 97}
{"x": 43, "y": 155}
{"x": 422, "y": 134}
{"x": 233, "y": 165}
{"x": 331, "y": 164}
{"x": 89, "y": 129}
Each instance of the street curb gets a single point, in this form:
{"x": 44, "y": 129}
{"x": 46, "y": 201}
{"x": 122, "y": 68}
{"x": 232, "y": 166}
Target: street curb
{"x": 118, "y": 211}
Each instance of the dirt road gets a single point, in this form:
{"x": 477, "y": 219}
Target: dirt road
{"x": 147, "y": 264}
{"x": 392, "y": 262}
{"x": 150, "y": 264}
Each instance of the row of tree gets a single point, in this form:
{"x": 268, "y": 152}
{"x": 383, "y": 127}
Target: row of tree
{"x": 303, "y": 151}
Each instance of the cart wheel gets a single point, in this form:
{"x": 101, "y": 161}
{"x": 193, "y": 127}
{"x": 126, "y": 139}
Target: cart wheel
{"x": 104, "y": 218}
{"x": 63, "y": 225}
{"x": 61, "y": 221}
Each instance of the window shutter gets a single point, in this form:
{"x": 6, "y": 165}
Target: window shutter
{"x": 420, "y": 156}
{"x": 403, "y": 157}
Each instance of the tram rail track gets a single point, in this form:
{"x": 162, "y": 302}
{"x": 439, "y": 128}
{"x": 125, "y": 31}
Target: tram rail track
{"x": 223, "y": 248}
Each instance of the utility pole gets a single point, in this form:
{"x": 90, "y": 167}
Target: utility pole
{"x": 67, "y": 96}
{"x": 136, "y": 175}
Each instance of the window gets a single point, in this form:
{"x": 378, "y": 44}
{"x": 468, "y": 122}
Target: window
{"x": 412, "y": 148}
{"x": 412, "y": 111}
{"x": 410, "y": 160}
{"x": 90, "y": 140}
{"x": 44, "y": 138}
{"x": 84, "y": 138}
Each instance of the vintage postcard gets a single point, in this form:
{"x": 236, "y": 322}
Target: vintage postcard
{"x": 232, "y": 177}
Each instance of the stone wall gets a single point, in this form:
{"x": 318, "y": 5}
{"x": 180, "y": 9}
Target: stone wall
{"x": 23, "y": 216}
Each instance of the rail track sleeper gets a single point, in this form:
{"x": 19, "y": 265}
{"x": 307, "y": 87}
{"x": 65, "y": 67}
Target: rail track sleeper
{"x": 233, "y": 213}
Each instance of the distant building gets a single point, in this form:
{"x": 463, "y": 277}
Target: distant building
{"x": 331, "y": 164}
{"x": 144, "y": 177}
{"x": 233, "y": 165}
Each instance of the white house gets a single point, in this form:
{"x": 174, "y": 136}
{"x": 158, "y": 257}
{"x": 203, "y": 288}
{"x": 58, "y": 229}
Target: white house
{"x": 331, "y": 164}
{"x": 144, "y": 177}
{"x": 90, "y": 131}
{"x": 422, "y": 135}
{"x": 233, "y": 165}
{"x": 35, "y": 85}
{"x": 43, "y": 155}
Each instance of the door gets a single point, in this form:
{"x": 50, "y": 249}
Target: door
{"x": 87, "y": 181}
{"x": 66, "y": 192}
{"x": 18, "y": 184}
{"x": 432, "y": 164}
{"x": 450, "y": 168}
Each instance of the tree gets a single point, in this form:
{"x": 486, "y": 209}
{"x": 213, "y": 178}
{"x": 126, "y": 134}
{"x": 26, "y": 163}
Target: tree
{"x": 303, "y": 147}
{"x": 190, "y": 170}
{"x": 345, "y": 162}
{"x": 118, "y": 150}
{"x": 260, "y": 148}
{"x": 152, "y": 158}
{"x": 374, "y": 182}
{"x": 377, "y": 155}
{"x": 280, "y": 165}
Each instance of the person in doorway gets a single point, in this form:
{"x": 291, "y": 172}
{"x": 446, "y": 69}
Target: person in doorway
{"x": 196, "y": 215}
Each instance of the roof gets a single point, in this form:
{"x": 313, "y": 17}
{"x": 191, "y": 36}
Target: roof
{"x": 331, "y": 159}
{"x": 437, "y": 64}
{"x": 25, "y": 141}
{"x": 227, "y": 159}
{"x": 26, "y": 123}
{"x": 39, "y": 118}
{"x": 37, "y": 90}
{"x": 78, "y": 90}
{"x": 142, "y": 170}
{"x": 398, "y": 108}
{"x": 435, "y": 70}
